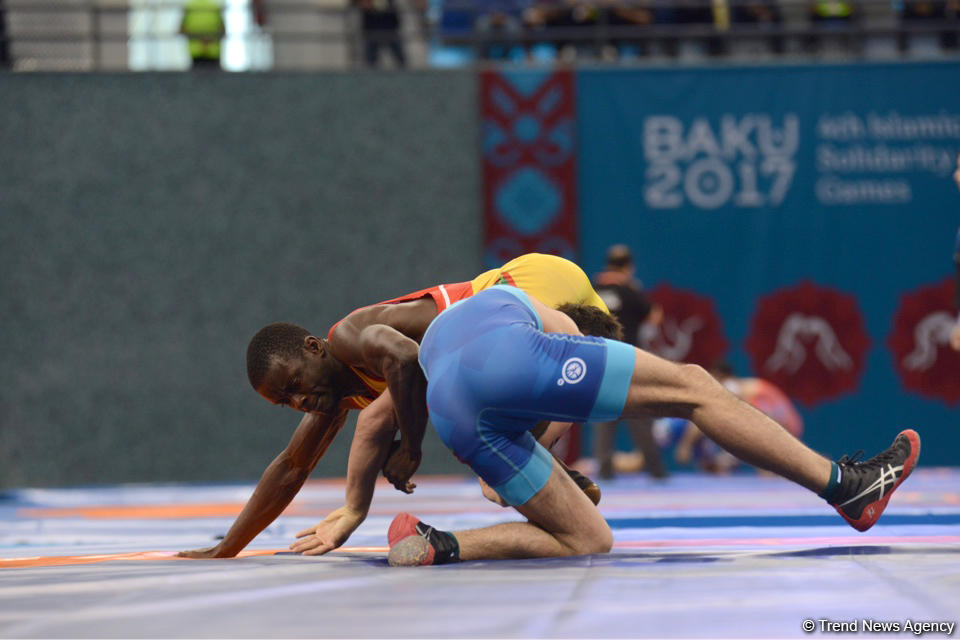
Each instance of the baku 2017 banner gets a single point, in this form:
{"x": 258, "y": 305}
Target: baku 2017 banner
{"x": 795, "y": 221}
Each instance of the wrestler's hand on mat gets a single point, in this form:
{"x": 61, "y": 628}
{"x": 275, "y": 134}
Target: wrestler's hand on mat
{"x": 490, "y": 494}
{"x": 329, "y": 534}
{"x": 400, "y": 467}
{"x": 209, "y": 552}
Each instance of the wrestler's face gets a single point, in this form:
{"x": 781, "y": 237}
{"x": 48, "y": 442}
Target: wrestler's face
{"x": 306, "y": 383}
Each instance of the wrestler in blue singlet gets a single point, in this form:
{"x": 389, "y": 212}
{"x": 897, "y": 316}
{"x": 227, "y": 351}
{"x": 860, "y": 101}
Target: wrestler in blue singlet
{"x": 492, "y": 374}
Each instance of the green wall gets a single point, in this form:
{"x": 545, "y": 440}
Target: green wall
{"x": 152, "y": 223}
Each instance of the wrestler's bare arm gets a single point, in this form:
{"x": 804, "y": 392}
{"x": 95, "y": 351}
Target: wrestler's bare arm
{"x": 372, "y": 439}
{"x": 279, "y": 484}
{"x": 394, "y": 356}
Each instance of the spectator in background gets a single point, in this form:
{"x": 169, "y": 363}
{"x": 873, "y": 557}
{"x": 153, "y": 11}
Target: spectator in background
{"x": 665, "y": 13}
{"x": 572, "y": 23}
{"x": 5, "y": 61}
{"x": 453, "y": 20}
{"x": 624, "y": 296}
{"x": 837, "y": 13}
{"x": 835, "y": 16}
{"x": 701, "y": 15}
{"x": 536, "y": 17}
{"x": 756, "y": 12}
{"x": 622, "y": 15}
{"x": 763, "y": 15}
{"x": 499, "y": 27}
{"x": 930, "y": 13}
{"x": 259, "y": 9}
{"x": 380, "y": 28}
{"x": 692, "y": 445}
{"x": 204, "y": 27}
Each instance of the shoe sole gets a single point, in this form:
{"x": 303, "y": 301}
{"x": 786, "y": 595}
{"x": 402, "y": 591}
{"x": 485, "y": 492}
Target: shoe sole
{"x": 402, "y": 526}
{"x": 412, "y": 551}
{"x": 872, "y": 512}
{"x": 593, "y": 493}
{"x": 585, "y": 484}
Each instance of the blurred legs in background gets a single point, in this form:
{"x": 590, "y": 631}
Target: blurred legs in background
{"x": 641, "y": 432}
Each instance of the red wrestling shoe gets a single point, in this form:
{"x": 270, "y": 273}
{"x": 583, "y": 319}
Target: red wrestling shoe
{"x": 866, "y": 487}
{"x": 413, "y": 543}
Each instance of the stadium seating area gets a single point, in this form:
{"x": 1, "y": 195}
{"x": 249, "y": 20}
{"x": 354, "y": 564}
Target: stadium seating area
{"x": 338, "y": 34}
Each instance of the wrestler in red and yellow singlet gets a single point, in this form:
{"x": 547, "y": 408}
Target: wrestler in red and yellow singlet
{"x": 550, "y": 279}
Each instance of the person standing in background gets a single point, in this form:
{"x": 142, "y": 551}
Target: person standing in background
{"x": 380, "y": 26}
{"x": 4, "y": 45}
{"x": 624, "y": 296}
{"x": 259, "y": 9}
{"x": 832, "y": 22}
{"x": 204, "y": 27}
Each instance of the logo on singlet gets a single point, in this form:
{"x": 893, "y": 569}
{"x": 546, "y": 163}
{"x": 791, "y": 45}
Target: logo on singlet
{"x": 573, "y": 371}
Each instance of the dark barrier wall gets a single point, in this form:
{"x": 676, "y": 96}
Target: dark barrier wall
{"x": 152, "y": 223}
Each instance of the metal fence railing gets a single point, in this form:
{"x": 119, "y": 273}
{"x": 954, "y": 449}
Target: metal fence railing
{"x": 297, "y": 34}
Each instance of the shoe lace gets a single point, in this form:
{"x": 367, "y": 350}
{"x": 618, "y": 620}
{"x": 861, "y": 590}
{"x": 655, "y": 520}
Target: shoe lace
{"x": 890, "y": 455}
{"x": 851, "y": 460}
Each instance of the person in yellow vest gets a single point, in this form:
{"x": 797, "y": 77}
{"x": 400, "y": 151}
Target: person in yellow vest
{"x": 204, "y": 27}
{"x": 831, "y": 23}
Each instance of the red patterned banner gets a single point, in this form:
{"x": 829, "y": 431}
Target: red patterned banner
{"x": 691, "y": 331}
{"x": 529, "y": 164}
{"x": 920, "y": 342}
{"x": 810, "y": 340}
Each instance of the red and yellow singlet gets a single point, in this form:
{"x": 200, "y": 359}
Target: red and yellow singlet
{"x": 550, "y": 279}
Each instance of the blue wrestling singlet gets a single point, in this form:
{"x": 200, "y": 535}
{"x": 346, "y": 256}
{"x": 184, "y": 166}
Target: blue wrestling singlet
{"x": 492, "y": 374}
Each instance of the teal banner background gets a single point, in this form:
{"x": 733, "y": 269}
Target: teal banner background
{"x": 737, "y": 184}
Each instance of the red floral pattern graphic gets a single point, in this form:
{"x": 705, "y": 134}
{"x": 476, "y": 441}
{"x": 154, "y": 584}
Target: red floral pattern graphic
{"x": 692, "y": 330}
{"x": 810, "y": 341}
{"x": 529, "y": 163}
{"x": 919, "y": 342}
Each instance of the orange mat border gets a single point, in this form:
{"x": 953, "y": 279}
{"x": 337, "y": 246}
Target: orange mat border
{"x": 138, "y": 512}
{"x": 60, "y": 561}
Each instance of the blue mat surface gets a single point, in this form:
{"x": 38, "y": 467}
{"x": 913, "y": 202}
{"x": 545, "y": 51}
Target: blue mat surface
{"x": 694, "y": 557}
